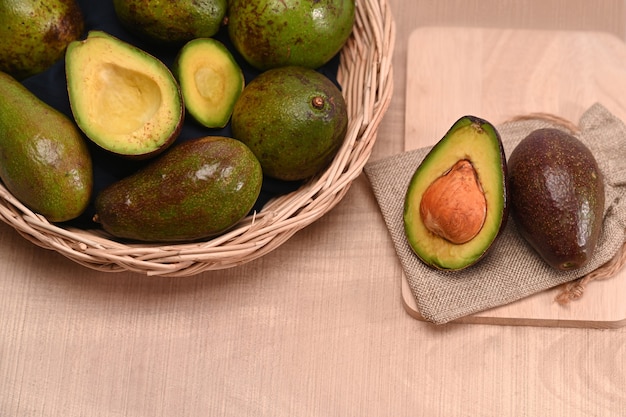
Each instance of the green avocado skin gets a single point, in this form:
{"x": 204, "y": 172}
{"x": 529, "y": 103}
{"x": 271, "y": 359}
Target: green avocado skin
{"x": 557, "y": 197}
{"x": 171, "y": 21}
{"x": 197, "y": 189}
{"x": 44, "y": 160}
{"x": 35, "y": 34}
{"x": 276, "y": 118}
{"x": 277, "y": 33}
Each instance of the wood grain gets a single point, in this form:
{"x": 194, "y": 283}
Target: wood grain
{"x": 499, "y": 74}
{"x": 314, "y": 329}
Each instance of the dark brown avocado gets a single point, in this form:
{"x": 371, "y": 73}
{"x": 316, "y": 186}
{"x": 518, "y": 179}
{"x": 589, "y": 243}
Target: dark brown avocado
{"x": 557, "y": 197}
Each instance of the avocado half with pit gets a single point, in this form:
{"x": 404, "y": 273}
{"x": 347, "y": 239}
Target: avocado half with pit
{"x": 125, "y": 100}
{"x": 456, "y": 203}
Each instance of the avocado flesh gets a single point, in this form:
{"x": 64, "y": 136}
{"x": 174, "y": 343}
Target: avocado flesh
{"x": 125, "y": 100}
{"x": 171, "y": 21}
{"x": 198, "y": 188}
{"x": 476, "y": 141}
{"x": 210, "y": 80}
{"x": 44, "y": 160}
{"x": 557, "y": 197}
{"x": 35, "y": 34}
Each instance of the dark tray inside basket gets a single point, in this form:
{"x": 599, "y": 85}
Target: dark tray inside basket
{"x": 50, "y": 86}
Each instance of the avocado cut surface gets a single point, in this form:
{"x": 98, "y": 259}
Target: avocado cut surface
{"x": 124, "y": 99}
{"x": 456, "y": 203}
{"x": 557, "y": 197}
{"x": 210, "y": 80}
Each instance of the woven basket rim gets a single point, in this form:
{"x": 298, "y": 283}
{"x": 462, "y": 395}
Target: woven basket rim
{"x": 366, "y": 76}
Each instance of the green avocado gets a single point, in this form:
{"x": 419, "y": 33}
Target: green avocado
{"x": 35, "y": 34}
{"x": 456, "y": 203}
{"x": 197, "y": 189}
{"x": 171, "y": 21}
{"x": 210, "y": 80}
{"x": 276, "y": 33}
{"x": 294, "y": 119}
{"x": 557, "y": 197}
{"x": 44, "y": 160}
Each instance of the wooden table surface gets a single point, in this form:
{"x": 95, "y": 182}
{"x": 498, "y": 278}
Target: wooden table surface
{"x": 315, "y": 328}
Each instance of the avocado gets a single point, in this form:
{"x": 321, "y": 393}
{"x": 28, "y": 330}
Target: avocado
{"x": 210, "y": 80}
{"x": 557, "y": 197}
{"x": 44, "y": 160}
{"x": 456, "y": 203}
{"x": 171, "y": 21}
{"x": 197, "y": 189}
{"x": 35, "y": 34}
{"x": 294, "y": 119}
{"x": 276, "y": 33}
{"x": 124, "y": 99}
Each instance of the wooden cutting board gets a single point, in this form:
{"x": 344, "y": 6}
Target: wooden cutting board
{"x": 498, "y": 74}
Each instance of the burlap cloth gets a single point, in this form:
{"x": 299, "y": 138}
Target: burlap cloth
{"x": 511, "y": 270}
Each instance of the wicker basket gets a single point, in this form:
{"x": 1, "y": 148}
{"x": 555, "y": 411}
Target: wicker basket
{"x": 365, "y": 73}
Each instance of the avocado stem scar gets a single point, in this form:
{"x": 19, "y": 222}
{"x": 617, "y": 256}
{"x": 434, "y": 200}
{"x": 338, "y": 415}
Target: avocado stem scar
{"x": 318, "y": 102}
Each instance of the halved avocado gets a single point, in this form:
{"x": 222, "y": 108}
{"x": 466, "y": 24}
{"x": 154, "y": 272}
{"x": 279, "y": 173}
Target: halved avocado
{"x": 124, "y": 99}
{"x": 210, "y": 80}
{"x": 456, "y": 203}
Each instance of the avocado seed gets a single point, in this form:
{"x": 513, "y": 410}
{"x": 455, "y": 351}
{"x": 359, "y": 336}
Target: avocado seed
{"x": 454, "y": 205}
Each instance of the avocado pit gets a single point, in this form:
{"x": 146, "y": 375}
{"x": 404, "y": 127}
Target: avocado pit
{"x": 454, "y": 206}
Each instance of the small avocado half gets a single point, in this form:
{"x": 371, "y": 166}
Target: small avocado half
{"x": 456, "y": 203}
{"x": 210, "y": 80}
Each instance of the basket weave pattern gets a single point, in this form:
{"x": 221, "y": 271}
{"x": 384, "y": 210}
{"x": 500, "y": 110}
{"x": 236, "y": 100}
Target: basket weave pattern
{"x": 365, "y": 74}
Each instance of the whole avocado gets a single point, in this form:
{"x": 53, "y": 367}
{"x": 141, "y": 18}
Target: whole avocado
{"x": 198, "y": 188}
{"x": 557, "y": 197}
{"x": 44, "y": 160}
{"x": 35, "y": 34}
{"x": 171, "y": 21}
{"x": 294, "y": 119}
{"x": 275, "y": 33}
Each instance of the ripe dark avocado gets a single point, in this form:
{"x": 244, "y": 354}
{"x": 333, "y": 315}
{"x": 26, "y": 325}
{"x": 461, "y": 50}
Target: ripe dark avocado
{"x": 557, "y": 197}
{"x": 197, "y": 189}
{"x": 457, "y": 201}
